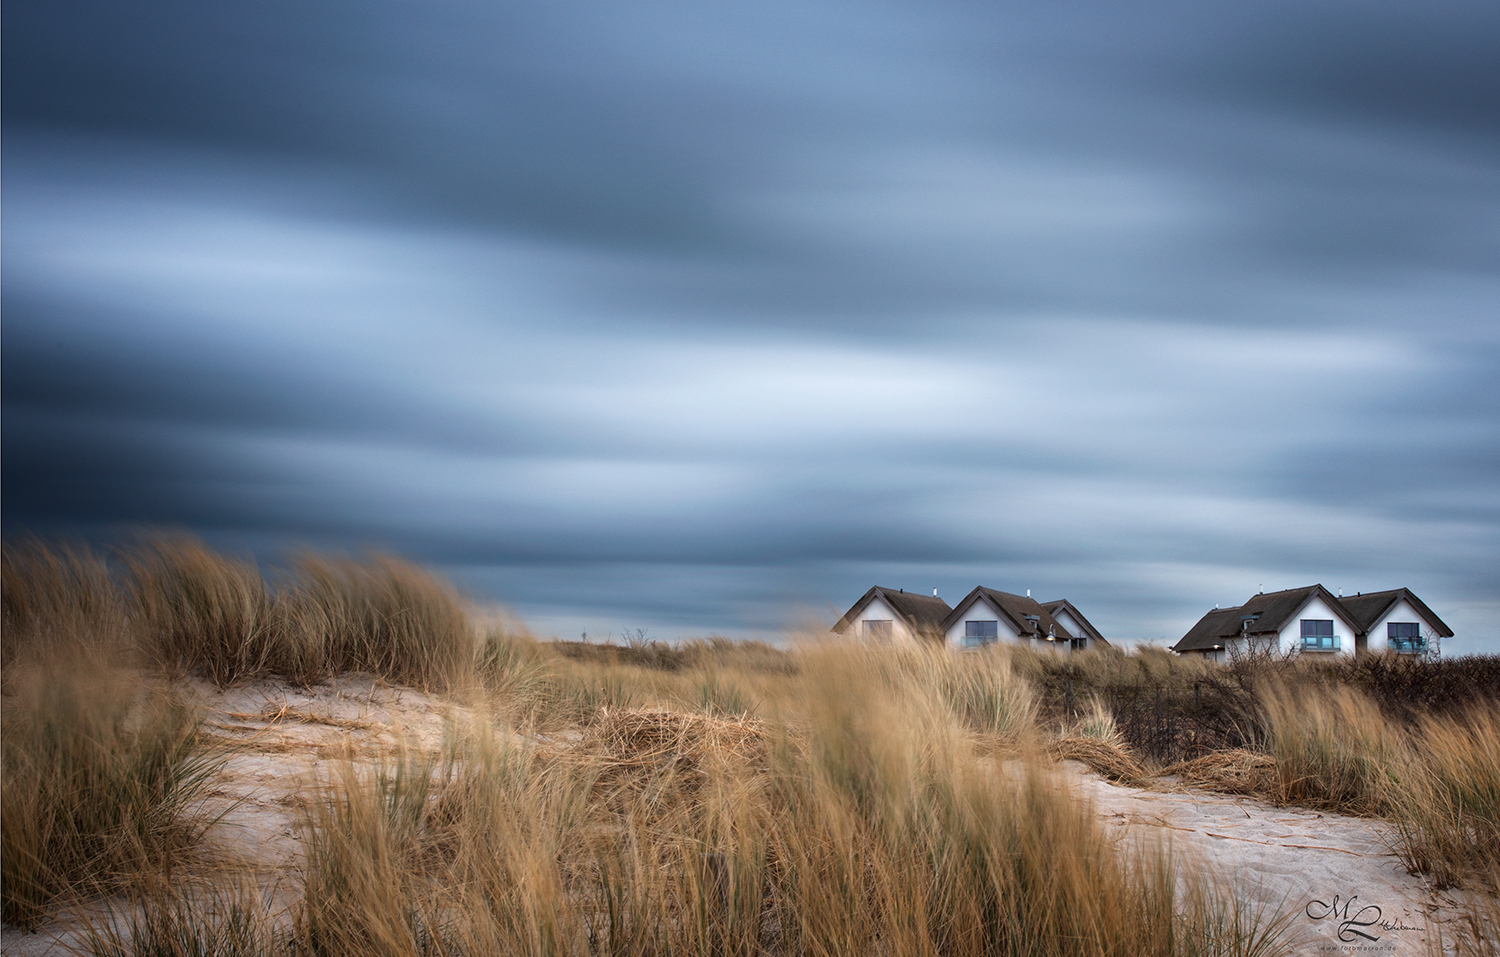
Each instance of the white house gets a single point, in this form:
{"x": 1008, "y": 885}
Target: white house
{"x": 1072, "y": 619}
{"x": 1311, "y": 620}
{"x": 986, "y": 616}
{"x": 894, "y": 615}
{"x": 1396, "y": 621}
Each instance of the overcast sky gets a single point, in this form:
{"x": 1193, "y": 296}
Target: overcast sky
{"x": 700, "y": 318}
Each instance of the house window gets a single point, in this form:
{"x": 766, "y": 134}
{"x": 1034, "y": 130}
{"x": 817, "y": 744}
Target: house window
{"x": 980, "y": 633}
{"x": 1077, "y": 644}
{"x": 876, "y": 629}
{"x": 1317, "y": 635}
{"x": 1405, "y": 637}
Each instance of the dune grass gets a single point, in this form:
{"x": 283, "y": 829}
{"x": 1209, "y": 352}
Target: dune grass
{"x": 1448, "y": 805}
{"x": 102, "y": 773}
{"x": 180, "y": 607}
{"x": 872, "y": 828}
{"x": 225, "y": 919}
{"x": 707, "y": 797}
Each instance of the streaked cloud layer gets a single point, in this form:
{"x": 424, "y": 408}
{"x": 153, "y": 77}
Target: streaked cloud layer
{"x": 695, "y": 319}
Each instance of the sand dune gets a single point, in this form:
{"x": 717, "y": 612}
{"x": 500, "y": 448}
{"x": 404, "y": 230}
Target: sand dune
{"x": 1348, "y": 891}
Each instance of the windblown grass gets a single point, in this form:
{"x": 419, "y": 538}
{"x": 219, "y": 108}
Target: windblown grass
{"x": 1448, "y": 805}
{"x": 59, "y": 600}
{"x": 708, "y": 797}
{"x": 183, "y": 608}
{"x": 219, "y": 920}
{"x": 872, "y": 828}
{"x": 102, "y": 774}
{"x": 1333, "y": 748}
{"x": 198, "y": 611}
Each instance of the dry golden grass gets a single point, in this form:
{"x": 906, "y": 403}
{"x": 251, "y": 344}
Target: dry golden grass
{"x": 101, "y": 775}
{"x": 1333, "y": 749}
{"x": 175, "y": 605}
{"x": 709, "y": 798}
{"x": 1230, "y": 772}
{"x": 1447, "y": 804}
{"x": 1105, "y": 757}
{"x": 873, "y": 827}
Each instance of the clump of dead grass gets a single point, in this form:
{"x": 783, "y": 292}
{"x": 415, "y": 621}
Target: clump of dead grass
{"x": 1237, "y": 771}
{"x": 61, "y": 600}
{"x": 1110, "y": 758}
{"x": 215, "y": 920}
{"x": 1333, "y": 748}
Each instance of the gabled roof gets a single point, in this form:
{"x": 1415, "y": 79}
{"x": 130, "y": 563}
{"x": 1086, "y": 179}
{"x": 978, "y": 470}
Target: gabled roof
{"x": 1212, "y": 630}
{"x": 1369, "y": 608}
{"x": 922, "y": 614}
{"x": 1089, "y": 631}
{"x": 1015, "y": 608}
{"x": 1272, "y": 611}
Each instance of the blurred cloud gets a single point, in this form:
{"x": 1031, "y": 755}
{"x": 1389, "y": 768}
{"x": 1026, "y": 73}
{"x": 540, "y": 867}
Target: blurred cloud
{"x": 704, "y": 320}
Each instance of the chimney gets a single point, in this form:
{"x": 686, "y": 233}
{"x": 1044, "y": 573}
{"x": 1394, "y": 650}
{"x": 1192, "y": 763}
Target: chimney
{"x": 1028, "y": 593}
{"x": 934, "y": 593}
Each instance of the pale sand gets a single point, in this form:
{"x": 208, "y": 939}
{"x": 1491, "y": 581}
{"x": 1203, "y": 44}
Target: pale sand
{"x": 1286, "y": 860}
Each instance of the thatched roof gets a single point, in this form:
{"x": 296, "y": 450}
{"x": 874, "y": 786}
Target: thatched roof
{"x": 922, "y": 614}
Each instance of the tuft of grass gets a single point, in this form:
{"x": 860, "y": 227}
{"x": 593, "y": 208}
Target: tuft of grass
{"x": 1333, "y": 748}
{"x": 985, "y": 692}
{"x": 220, "y": 920}
{"x": 1447, "y": 805}
{"x": 718, "y": 695}
{"x": 364, "y": 864}
{"x": 102, "y": 775}
{"x": 182, "y": 608}
{"x": 382, "y": 615}
{"x": 1098, "y": 723}
{"x": 59, "y": 600}
{"x": 199, "y": 611}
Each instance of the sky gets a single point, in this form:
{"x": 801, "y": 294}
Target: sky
{"x": 679, "y": 318}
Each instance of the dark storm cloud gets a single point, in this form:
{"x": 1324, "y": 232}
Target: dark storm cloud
{"x": 702, "y": 316}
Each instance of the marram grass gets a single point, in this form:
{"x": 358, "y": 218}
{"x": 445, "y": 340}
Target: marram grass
{"x": 707, "y": 798}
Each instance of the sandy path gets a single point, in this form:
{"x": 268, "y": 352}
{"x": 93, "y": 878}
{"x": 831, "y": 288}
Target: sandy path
{"x": 281, "y": 737}
{"x": 1325, "y": 868}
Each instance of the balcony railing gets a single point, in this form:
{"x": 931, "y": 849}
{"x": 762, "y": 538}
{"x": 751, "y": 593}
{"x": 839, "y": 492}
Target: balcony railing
{"x": 1320, "y": 642}
{"x": 1409, "y": 646}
